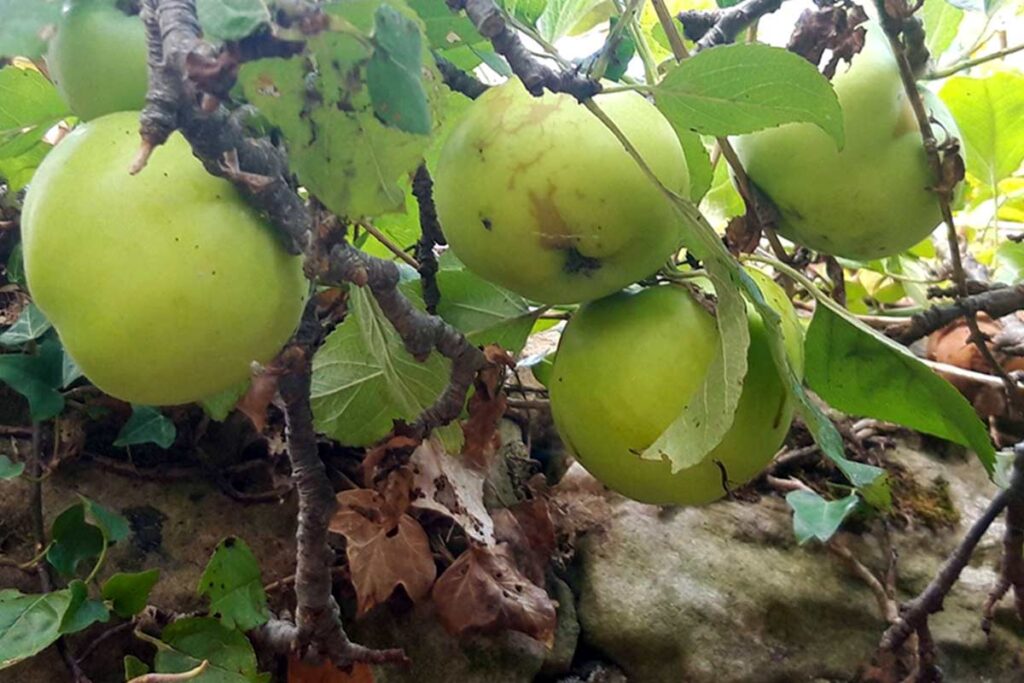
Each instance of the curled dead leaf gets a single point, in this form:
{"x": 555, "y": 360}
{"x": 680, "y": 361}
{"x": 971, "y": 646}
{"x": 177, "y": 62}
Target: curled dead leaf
{"x": 484, "y": 592}
{"x": 486, "y": 406}
{"x": 300, "y": 672}
{"x": 527, "y": 530}
{"x": 445, "y": 484}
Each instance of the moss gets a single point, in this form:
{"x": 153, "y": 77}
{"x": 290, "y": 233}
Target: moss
{"x": 931, "y": 505}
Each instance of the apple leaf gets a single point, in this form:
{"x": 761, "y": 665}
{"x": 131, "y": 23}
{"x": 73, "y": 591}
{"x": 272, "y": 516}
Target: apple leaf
{"x": 29, "y": 326}
{"x": 484, "y": 312}
{"x": 232, "y": 582}
{"x": 327, "y": 116}
{"x": 815, "y": 517}
{"x": 445, "y": 29}
{"x": 364, "y": 379}
{"x": 74, "y": 540}
{"x": 82, "y": 611}
{"x": 129, "y": 593}
{"x": 861, "y": 372}
{"x": 187, "y": 642}
{"x": 988, "y": 112}
{"x": 561, "y": 16}
{"x": 698, "y": 163}
{"x": 393, "y": 75}
{"x": 146, "y": 425}
{"x": 30, "y": 101}
{"x": 18, "y": 170}
{"x": 10, "y": 469}
{"x": 29, "y": 623}
{"x": 25, "y": 27}
{"x": 231, "y": 19}
{"x": 733, "y": 89}
{"x": 36, "y": 377}
{"x": 941, "y": 22}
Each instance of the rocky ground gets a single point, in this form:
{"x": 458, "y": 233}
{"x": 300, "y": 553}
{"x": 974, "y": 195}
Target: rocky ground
{"x": 721, "y": 593}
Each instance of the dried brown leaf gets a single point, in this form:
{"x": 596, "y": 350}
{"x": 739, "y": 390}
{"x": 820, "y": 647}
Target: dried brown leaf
{"x": 743, "y": 234}
{"x": 445, "y": 484}
{"x": 385, "y": 550}
{"x": 486, "y": 406}
{"x": 483, "y": 592}
{"x": 256, "y": 401}
{"x": 527, "y": 530}
{"x": 300, "y": 672}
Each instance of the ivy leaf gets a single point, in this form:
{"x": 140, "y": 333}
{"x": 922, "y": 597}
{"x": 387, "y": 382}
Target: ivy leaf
{"x": 484, "y": 312}
{"x": 187, "y": 642}
{"x": 129, "y": 593}
{"x": 26, "y": 25}
{"x": 134, "y": 667}
{"x": 146, "y": 425}
{"x": 393, "y": 75}
{"x": 30, "y": 325}
{"x": 988, "y": 112}
{"x": 74, "y": 540}
{"x": 733, "y": 89}
{"x": 815, "y": 517}
{"x": 82, "y": 611}
{"x": 232, "y": 583}
{"x": 36, "y": 377}
{"x": 561, "y": 16}
{"x": 861, "y": 372}
{"x": 69, "y": 371}
{"x": 114, "y": 526}
{"x": 231, "y": 19}
{"x": 10, "y": 469}
{"x": 364, "y": 379}
{"x": 29, "y": 623}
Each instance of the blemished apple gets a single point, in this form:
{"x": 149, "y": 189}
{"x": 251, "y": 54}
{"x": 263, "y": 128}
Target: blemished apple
{"x": 164, "y": 287}
{"x": 871, "y": 199}
{"x": 628, "y": 364}
{"x": 537, "y": 195}
{"x": 97, "y": 59}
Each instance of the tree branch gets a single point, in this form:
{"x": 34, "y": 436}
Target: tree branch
{"x": 969, "y": 63}
{"x": 458, "y": 80}
{"x": 493, "y": 25}
{"x": 430, "y": 236}
{"x": 721, "y": 26}
{"x": 996, "y": 302}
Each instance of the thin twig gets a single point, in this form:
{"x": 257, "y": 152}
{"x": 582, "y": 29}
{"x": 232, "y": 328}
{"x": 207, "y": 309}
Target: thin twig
{"x": 395, "y": 249}
{"x": 969, "y": 63}
{"x": 430, "y": 237}
{"x": 718, "y": 27}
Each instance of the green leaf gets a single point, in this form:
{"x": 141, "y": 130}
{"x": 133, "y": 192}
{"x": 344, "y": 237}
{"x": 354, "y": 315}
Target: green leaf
{"x": 10, "y": 469}
{"x": 30, "y": 325}
{"x": 484, "y": 312}
{"x": 30, "y": 101}
{"x": 1009, "y": 263}
{"x": 815, "y": 517}
{"x": 29, "y": 623}
{"x": 113, "y": 525}
{"x": 219, "y": 406}
{"x": 231, "y": 19}
{"x": 859, "y": 371}
{"x": 394, "y": 74}
{"x": 15, "y": 268}
{"x": 327, "y": 117}
{"x": 232, "y": 583}
{"x": 941, "y": 22}
{"x": 698, "y": 163}
{"x": 129, "y": 593}
{"x": 18, "y": 170}
{"x": 146, "y": 425}
{"x": 560, "y": 17}
{"x": 527, "y": 11}
{"x": 82, "y": 611}
{"x": 134, "y": 667}
{"x": 364, "y": 379}
{"x": 25, "y": 26}
{"x": 733, "y": 89}
{"x": 989, "y": 111}
{"x": 74, "y": 540}
{"x": 69, "y": 371}
{"x": 722, "y": 201}
{"x": 187, "y": 642}
{"x": 36, "y": 377}
{"x": 445, "y": 29}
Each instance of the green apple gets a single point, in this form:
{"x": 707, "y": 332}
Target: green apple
{"x": 871, "y": 199}
{"x": 626, "y": 367}
{"x": 536, "y": 195}
{"x": 165, "y": 286}
{"x": 97, "y": 59}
